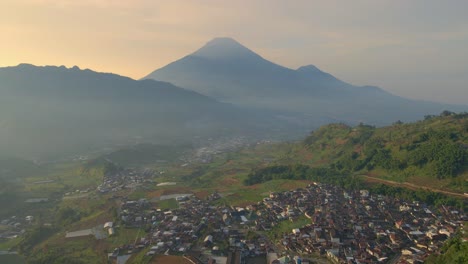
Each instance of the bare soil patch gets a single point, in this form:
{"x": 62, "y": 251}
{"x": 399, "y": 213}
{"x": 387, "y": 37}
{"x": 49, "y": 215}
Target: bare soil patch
{"x": 244, "y": 204}
{"x": 295, "y": 184}
{"x": 154, "y": 194}
{"x": 227, "y": 181}
{"x": 202, "y": 194}
{"x": 176, "y": 190}
{"x": 253, "y": 187}
{"x": 340, "y": 141}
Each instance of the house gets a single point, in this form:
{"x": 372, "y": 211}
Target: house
{"x": 226, "y": 219}
{"x": 208, "y": 240}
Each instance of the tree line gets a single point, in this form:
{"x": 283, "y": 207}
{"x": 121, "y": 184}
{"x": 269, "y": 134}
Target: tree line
{"x": 301, "y": 172}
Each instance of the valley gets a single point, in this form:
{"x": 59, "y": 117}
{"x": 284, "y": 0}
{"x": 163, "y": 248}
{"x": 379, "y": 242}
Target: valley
{"x": 201, "y": 203}
{"x": 233, "y": 132}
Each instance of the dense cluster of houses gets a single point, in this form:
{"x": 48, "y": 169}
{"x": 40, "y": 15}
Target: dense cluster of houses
{"x": 207, "y": 150}
{"x": 125, "y": 179}
{"x": 14, "y": 226}
{"x": 356, "y": 227}
{"x": 345, "y": 226}
{"x": 195, "y": 226}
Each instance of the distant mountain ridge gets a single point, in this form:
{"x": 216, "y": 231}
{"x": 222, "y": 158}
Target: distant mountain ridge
{"x": 226, "y": 70}
{"x": 57, "y": 110}
{"x": 228, "y": 90}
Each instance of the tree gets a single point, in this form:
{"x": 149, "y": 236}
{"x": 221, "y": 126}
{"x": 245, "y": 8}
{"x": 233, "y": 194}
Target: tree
{"x": 446, "y": 113}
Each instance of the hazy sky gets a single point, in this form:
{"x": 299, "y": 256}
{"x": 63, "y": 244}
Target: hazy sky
{"x": 412, "y": 48}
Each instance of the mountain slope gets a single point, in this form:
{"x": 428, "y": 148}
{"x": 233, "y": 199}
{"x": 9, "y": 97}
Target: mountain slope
{"x": 428, "y": 150}
{"x": 430, "y": 154}
{"x": 51, "y": 110}
{"x": 230, "y": 72}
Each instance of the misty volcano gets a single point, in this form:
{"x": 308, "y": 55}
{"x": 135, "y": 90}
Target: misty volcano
{"x": 226, "y": 70}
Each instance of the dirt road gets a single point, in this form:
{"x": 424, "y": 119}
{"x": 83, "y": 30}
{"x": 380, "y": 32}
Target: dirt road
{"x": 411, "y": 186}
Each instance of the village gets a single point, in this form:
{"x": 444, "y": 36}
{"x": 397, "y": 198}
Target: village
{"x": 331, "y": 224}
{"x": 337, "y": 225}
{"x": 343, "y": 226}
{"x": 125, "y": 179}
{"x": 14, "y": 226}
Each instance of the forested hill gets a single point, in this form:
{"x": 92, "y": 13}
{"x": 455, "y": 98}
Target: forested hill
{"x": 436, "y": 147}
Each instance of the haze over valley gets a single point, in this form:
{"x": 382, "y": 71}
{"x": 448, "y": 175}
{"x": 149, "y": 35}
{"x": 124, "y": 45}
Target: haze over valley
{"x": 52, "y": 111}
{"x": 233, "y": 132}
{"x": 221, "y": 90}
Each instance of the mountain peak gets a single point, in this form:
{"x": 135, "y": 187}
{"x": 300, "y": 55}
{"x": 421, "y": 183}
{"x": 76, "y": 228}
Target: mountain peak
{"x": 224, "y": 47}
{"x": 309, "y": 69}
{"x": 25, "y": 65}
{"x": 223, "y": 41}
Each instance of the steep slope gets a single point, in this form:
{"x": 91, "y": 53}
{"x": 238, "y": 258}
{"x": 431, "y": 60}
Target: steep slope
{"x": 230, "y": 72}
{"x": 225, "y": 70}
{"x": 432, "y": 149}
{"x": 430, "y": 154}
{"x": 52, "y": 110}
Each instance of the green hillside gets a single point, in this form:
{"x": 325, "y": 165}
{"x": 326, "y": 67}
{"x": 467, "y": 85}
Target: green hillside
{"x": 434, "y": 149}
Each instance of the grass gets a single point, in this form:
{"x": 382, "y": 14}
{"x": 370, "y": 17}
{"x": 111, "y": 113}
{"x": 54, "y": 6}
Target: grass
{"x": 168, "y": 204}
{"x": 83, "y": 249}
{"x": 86, "y": 249}
{"x": 12, "y": 259}
{"x": 287, "y": 226}
{"x": 228, "y": 171}
{"x": 9, "y": 244}
{"x": 242, "y": 195}
{"x": 140, "y": 257}
{"x": 124, "y": 236}
{"x": 138, "y": 194}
